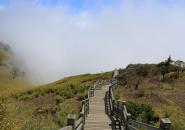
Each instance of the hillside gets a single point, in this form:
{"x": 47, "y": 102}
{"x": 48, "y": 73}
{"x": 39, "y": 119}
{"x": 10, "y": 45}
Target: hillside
{"x": 46, "y": 107}
{"x": 12, "y": 75}
{"x": 23, "y": 106}
{"x": 154, "y": 91}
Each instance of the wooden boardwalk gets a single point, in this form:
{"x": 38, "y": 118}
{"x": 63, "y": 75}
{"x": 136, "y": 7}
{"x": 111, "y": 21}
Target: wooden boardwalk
{"x": 97, "y": 118}
{"x": 93, "y": 114}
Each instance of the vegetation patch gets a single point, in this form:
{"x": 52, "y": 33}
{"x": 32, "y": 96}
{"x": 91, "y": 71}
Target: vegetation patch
{"x": 161, "y": 85}
{"x": 46, "y": 107}
{"x": 142, "y": 112}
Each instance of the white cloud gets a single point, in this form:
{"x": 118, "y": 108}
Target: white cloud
{"x": 55, "y": 43}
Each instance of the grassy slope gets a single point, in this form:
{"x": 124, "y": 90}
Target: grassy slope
{"x": 167, "y": 100}
{"x": 8, "y": 84}
{"x": 24, "y": 107}
{"x": 46, "y": 107}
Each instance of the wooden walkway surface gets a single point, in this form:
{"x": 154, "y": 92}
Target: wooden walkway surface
{"x": 97, "y": 118}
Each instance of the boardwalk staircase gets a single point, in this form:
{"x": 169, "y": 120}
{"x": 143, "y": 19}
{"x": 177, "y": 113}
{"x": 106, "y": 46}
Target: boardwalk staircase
{"x": 100, "y": 111}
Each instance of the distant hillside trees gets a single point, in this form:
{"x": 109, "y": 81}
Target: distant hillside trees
{"x": 134, "y": 74}
{"x": 170, "y": 68}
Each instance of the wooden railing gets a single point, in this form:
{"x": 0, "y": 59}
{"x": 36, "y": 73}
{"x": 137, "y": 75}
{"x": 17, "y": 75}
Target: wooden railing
{"x": 118, "y": 113}
{"x": 72, "y": 123}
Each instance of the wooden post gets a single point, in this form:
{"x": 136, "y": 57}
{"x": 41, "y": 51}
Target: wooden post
{"x": 84, "y": 111}
{"x": 113, "y": 108}
{"x": 71, "y": 121}
{"x": 88, "y": 93}
{"x": 117, "y": 110}
{"x": 165, "y": 124}
{"x": 83, "y": 119}
{"x": 87, "y": 106}
{"x": 128, "y": 117}
{"x": 122, "y": 108}
{"x": 93, "y": 92}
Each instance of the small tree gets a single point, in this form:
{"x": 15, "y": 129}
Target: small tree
{"x": 163, "y": 70}
{"x": 163, "y": 67}
{"x": 169, "y": 61}
{"x": 166, "y": 62}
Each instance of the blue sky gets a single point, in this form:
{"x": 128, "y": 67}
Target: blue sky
{"x": 69, "y": 37}
{"x": 76, "y": 6}
{"x": 73, "y": 5}
{"x": 4, "y": 2}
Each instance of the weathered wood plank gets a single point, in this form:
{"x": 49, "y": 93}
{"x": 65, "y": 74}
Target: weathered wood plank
{"x": 97, "y": 118}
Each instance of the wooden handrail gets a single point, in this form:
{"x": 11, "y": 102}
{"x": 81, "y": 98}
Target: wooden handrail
{"x": 78, "y": 122}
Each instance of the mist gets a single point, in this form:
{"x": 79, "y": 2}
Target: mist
{"x": 55, "y": 42}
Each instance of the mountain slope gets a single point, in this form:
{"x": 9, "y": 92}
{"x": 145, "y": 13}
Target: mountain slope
{"x": 12, "y": 77}
{"x": 35, "y": 108}
{"x": 144, "y": 86}
{"x": 23, "y": 106}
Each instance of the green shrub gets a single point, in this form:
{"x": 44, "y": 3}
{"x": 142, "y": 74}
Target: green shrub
{"x": 68, "y": 94}
{"x": 141, "y": 111}
{"x": 78, "y": 88}
{"x": 83, "y": 96}
{"x": 59, "y": 99}
{"x": 65, "y": 92}
{"x": 26, "y": 97}
{"x": 50, "y": 90}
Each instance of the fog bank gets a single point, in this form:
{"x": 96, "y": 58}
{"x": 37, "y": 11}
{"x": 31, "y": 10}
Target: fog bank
{"x": 54, "y": 42}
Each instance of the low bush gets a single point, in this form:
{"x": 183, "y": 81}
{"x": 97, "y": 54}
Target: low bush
{"x": 144, "y": 112}
{"x": 59, "y": 99}
{"x": 79, "y": 88}
{"x": 26, "y": 97}
{"x": 65, "y": 92}
{"x": 83, "y": 96}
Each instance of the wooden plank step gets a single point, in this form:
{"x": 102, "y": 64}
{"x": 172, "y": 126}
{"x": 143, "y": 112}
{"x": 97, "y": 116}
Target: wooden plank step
{"x": 97, "y": 118}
